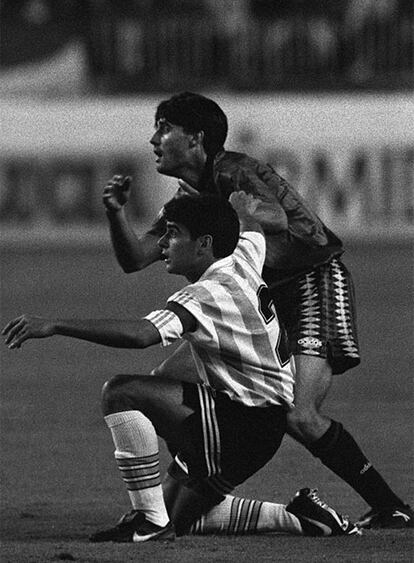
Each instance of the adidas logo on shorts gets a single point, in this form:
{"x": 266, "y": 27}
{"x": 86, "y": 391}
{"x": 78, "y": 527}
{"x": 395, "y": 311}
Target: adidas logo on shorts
{"x": 310, "y": 342}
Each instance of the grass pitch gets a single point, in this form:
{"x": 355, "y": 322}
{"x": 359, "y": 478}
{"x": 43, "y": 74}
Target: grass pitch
{"x": 59, "y": 479}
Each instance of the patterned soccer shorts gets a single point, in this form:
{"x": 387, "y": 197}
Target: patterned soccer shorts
{"x": 224, "y": 442}
{"x": 318, "y": 311}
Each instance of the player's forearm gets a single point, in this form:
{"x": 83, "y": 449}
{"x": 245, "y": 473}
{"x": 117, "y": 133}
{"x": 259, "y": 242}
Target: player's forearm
{"x": 114, "y": 333}
{"x": 133, "y": 253}
{"x": 120, "y": 334}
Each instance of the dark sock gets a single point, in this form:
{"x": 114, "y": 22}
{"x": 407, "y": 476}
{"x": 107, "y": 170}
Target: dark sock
{"x": 342, "y": 455}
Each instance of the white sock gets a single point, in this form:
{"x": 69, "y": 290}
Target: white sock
{"x": 137, "y": 456}
{"x": 236, "y": 516}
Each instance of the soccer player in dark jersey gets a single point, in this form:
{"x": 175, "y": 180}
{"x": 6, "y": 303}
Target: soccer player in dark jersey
{"x": 310, "y": 285}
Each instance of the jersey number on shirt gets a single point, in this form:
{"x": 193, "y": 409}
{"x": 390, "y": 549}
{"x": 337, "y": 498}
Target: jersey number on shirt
{"x": 267, "y": 310}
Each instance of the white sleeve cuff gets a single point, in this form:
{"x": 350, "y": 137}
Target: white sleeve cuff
{"x": 168, "y": 325}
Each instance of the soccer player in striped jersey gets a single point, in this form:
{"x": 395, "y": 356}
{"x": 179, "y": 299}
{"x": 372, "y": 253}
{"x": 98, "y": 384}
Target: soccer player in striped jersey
{"x": 223, "y": 429}
{"x": 308, "y": 281}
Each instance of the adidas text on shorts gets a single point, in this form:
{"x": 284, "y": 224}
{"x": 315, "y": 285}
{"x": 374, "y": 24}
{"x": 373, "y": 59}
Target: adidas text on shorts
{"x": 318, "y": 311}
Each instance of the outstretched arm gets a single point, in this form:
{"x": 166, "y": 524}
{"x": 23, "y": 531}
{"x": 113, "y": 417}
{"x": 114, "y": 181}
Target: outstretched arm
{"x": 133, "y": 253}
{"x": 139, "y": 333}
{"x": 119, "y": 334}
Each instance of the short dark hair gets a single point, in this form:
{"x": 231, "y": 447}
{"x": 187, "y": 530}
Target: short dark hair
{"x": 195, "y": 113}
{"x": 206, "y": 215}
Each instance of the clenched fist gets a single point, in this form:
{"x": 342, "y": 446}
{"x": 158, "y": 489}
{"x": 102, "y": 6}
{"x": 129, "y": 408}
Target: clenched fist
{"x": 244, "y": 204}
{"x": 116, "y": 193}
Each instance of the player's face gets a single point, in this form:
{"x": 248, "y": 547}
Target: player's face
{"x": 172, "y": 147}
{"x": 179, "y": 251}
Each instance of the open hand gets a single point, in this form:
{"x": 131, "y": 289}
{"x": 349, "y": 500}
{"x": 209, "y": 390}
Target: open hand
{"x": 24, "y": 327}
{"x": 116, "y": 192}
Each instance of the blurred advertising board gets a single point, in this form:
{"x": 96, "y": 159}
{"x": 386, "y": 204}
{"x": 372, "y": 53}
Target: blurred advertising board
{"x": 351, "y": 156}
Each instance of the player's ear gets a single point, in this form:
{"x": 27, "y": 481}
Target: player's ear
{"x": 206, "y": 242}
{"x": 197, "y": 139}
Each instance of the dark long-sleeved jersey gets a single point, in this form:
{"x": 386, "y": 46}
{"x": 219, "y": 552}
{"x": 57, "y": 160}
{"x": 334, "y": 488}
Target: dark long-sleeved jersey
{"x": 304, "y": 245}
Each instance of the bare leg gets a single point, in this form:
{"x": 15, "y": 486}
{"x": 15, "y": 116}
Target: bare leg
{"x": 312, "y": 382}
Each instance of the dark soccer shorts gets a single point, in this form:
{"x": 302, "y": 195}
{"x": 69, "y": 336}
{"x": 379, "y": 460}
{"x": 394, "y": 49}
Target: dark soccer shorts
{"x": 318, "y": 312}
{"x": 225, "y": 442}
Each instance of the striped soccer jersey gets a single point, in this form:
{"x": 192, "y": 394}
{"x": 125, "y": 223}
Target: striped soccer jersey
{"x": 237, "y": 340}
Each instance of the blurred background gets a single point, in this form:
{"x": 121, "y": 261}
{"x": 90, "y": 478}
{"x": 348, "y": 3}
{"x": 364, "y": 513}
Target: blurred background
{"x": 322, "y": 90}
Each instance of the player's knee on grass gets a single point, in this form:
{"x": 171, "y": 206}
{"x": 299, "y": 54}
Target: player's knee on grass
{"x": 187, "y": 505}
{"x": 187, "y": 499}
